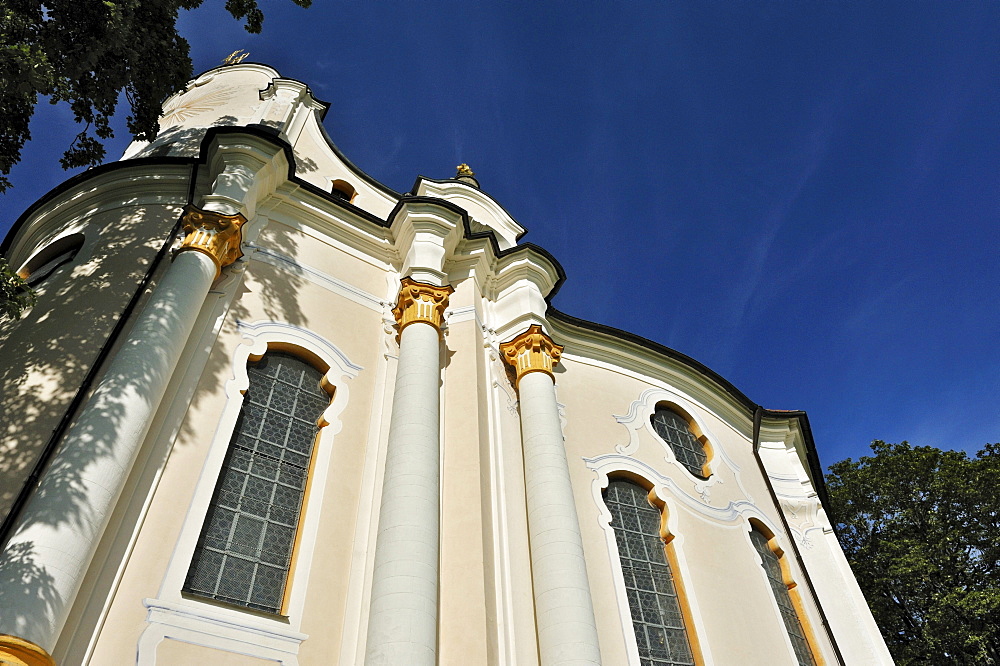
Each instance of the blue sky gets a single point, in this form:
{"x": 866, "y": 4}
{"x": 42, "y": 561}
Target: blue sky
{"x": 802, "y": 195}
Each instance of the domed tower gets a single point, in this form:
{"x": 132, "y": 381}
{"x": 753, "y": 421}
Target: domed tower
{"x": 267, "y": 409}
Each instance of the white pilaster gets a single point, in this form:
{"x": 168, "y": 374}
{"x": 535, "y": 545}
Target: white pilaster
{"x": 402, "y": 625}
{"x": 61, "y": 525}
{"x": 567, "y": 632}
{"x": 564, "y": 610}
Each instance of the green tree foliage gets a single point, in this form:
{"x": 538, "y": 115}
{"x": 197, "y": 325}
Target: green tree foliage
{"x": 15, "y": 295}
{"x": 921, "y": 529}
{"x": 86, "y": 53}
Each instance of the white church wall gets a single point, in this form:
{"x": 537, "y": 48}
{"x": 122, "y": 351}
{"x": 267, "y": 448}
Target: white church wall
{"x": 263, "y": 295}
{"x": 323, "y": 277}
{"x": 52, "y": 347}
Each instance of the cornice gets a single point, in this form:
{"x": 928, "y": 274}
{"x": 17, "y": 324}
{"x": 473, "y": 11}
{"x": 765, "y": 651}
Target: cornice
{"x": 313, "y": 217}
{"x": 628, "y": 350}
{"x": 459, "y": 191}
{"x": 581, "y": 337}
{"x": 89, "y": 194}
{"x": 617, "y": 347}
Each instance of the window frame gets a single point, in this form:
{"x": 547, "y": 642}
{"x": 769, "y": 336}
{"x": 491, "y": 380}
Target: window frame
{"x": 795, "y": 597}
{"x": 52, "y": 256}
{"x": 324, "y": 384}
{"x": 190, "y": 618}
{"x": 696, "y": 431}
{"x": 672, "y": 552}
{"x": 343, "y": 190}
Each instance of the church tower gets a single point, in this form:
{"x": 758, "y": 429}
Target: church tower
{"x": 268, "y": 410}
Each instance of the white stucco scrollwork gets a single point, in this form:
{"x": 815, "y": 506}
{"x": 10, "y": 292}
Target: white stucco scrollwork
{"x": 613, "y": 462}
{"x": 638, "y": 418}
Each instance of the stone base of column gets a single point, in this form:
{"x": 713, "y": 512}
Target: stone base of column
{"x": 16, "y": 651}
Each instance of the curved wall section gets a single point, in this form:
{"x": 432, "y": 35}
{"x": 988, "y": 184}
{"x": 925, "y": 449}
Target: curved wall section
{"x": 506, "y": 552}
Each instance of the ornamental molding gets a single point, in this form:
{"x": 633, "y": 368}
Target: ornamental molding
{"x": 213, "y": 234}
{"x": 256, "y": 336}
{"x": 656, "y": 368}
{"x": 419, "y": 301}
{"x": 638, "y": 419}
{"x": 531, "y": 351}
{"x": 668, "y": 489}
{"x": 482, "y": 208}
{"x": 315, "y": 276}
{"x": 134, "y": 192}
{"x": 204, "y": 626}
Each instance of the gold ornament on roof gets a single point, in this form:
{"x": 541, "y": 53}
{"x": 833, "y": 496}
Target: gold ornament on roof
{"x": 236, "y": 57}
{"x": 464, "y": 170}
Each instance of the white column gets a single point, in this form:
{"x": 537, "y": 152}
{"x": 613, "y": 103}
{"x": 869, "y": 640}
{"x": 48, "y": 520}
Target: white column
{"x": 62, "y": 523}
{"x": 402, "y": 625}
{"x": 564, "y": 611}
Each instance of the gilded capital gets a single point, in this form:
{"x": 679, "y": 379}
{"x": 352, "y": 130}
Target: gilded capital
{"x": 532, "y": 351}
{"x": 419, "y": 301}
{"x": 214, "y": 234}
{"x": 16, "y": 651}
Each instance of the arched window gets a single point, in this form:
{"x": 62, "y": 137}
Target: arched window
{"x": 244, "y": 553}
{"x": 771, "y": 561}
{"x": 676, "y": 432}
{"x": 342, "y": 190}
{"x": 49, "y": 259}
{"x": 657, "y": 619}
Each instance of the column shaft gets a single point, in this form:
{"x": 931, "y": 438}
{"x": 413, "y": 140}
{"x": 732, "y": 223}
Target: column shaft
{"x": 567, "y": 632}
{"x": 402, "y": 627}
{"x": 62, "y": 523}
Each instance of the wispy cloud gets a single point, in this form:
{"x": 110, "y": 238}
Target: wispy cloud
{"x": 874, "y": 304}
{"x": 802, "y": 169}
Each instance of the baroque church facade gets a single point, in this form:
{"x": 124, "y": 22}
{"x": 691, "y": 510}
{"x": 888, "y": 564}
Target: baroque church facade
{"x": 268, "y": 410}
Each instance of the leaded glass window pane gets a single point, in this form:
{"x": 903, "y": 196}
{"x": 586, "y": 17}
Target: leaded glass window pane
{"x": 649, "y": 584}
{"x": 245, "y": 549}
{"x": 676, "y": 432}
{"x": 780, "y": 591}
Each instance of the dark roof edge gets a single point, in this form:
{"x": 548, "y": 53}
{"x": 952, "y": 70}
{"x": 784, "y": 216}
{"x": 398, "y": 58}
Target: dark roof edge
{"x": 812, "y": 456}
{"x": 271, "y": 135}
{"x": 76, "y": 179}
{"x": 260, "y": 131}
{"x": 352, "y": 166}
{"x": 658, "y": 348}
{"x": 416, "y": 184}
{"x": 321, "y": 113}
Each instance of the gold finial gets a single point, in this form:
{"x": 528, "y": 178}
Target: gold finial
{"x": 464, "y": 170}
{"x": 236, "y": 57}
